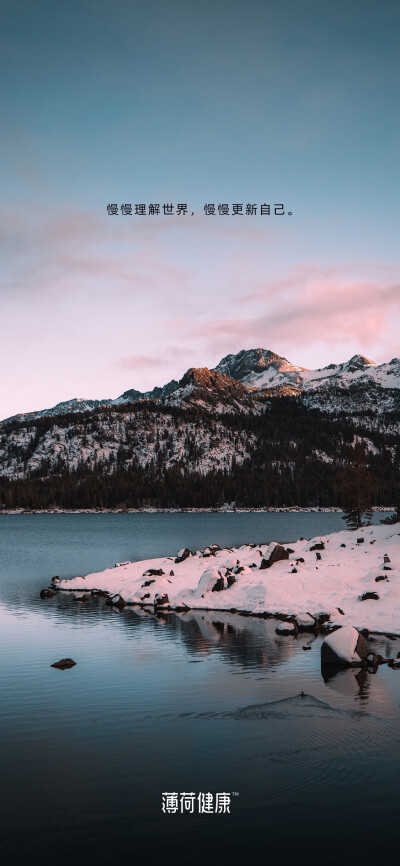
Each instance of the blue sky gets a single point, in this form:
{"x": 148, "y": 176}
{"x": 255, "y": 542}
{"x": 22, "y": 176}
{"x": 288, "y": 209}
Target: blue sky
{"x": 272, "y": 101}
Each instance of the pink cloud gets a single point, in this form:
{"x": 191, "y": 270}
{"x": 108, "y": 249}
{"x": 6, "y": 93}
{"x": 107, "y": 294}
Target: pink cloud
{"x": 140, "y": 362}
{"x": 322, "y": 308}
{"x": 157, "y": 369}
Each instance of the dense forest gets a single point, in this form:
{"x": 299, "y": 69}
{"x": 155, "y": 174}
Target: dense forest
{"x": 295, "y": 457}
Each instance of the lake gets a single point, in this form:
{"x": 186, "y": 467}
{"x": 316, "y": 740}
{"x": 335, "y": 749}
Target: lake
{"x": 201, "y": 704}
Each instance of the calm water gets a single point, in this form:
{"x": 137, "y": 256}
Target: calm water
{"x": 190, "y": 703}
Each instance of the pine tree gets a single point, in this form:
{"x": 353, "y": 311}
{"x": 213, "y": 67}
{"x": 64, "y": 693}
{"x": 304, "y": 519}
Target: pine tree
{"x": 356, "y": 488}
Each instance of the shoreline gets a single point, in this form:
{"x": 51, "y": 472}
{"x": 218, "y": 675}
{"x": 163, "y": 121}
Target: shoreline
{"x": 293, "y": 509}
{"x": 350, "y": 577}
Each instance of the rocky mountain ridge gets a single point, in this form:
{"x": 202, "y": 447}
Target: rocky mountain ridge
{"x": 239, "y": 381}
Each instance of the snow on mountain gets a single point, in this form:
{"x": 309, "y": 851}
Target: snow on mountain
{"x": 262, "y": 369}
{"x": 235, "y": 383}
{"x": 76, "y": 404}
{"x": 259, "y": 368}
{"x": 82, "y": 404}
{"x": 123, "y": 439}
{"x": 211, "y": 390}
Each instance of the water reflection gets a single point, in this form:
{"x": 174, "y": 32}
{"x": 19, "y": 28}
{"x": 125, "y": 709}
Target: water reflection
{"x": 196, "y": 701}
{"x": 250, "y": 642}
{"x": 201, "y": 701}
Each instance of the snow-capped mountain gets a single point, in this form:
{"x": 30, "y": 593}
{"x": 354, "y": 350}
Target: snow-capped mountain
{"x": 258, "y": 372}
{"x": 244, "y": 426}
{"x": 258, "y": 368}
{"x": 262, "y": 369}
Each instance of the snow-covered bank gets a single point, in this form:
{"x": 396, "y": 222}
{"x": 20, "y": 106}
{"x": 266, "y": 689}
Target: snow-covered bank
{"x": 223, "y": 509}
{"x": 353, "y": 576}
{"x": 150, "y": 510}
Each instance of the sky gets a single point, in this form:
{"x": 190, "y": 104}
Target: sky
{"x": 174, "y": 102}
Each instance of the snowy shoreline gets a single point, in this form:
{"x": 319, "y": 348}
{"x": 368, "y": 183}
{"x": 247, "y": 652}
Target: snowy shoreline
{"x": 351, "y": 577}
{"x": 293, "y": 509}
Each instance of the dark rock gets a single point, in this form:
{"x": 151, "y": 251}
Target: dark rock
{"x": 372, "y": 660}
{"x": 387, "y": 568}
{"x": 305, "y": 648}
{"x": 340, "y": 610}
{"x": 171, "y": 574}
{"x": 318, "y": 555}
{"x": 46, "y": 593}
{"x": 300, "y": 559}
{"x": 369, "y": 595}
{"x": 218, "y": 585}
{"x": 148, "y": 582}
{"x": 294, "y": 570}
{"x": 361, "y": 648}
{"x": 330, "y": 656}
{"x": 160, "y": 599}
{"x": 156, "y": 572}
{"x": 380, "y": 577}
{"x": 63, "y": 664}
{"x": 231, "y": 579}
{"x": 142, "y": 597}
{"x": 386, "y": 558}
{"x": 118, "y": 601}
{"x": 343, "y": 545}
{"x": 318, "y": 546}
{"x": 287, "y": 628}
{"x": 360, "y": 541}
{"x": 289, "y": 550}
{"x": 278, "y": 553}
{"x": 182, "y": 555}
{"x": 306, "y": 622}
{"x": 364, "y": 632}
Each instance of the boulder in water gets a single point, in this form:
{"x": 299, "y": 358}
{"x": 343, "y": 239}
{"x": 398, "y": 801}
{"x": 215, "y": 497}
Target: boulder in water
{"x": 46, "y": 593}
{"x": 63, "y": 664}
{"x": 344, "y": 647}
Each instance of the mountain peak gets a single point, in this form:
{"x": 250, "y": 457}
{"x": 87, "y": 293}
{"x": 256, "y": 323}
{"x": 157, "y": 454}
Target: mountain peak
{"x": 202, "y": 377}
{"x": 255, "y": 367}
{"x": 358, "y": 362}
